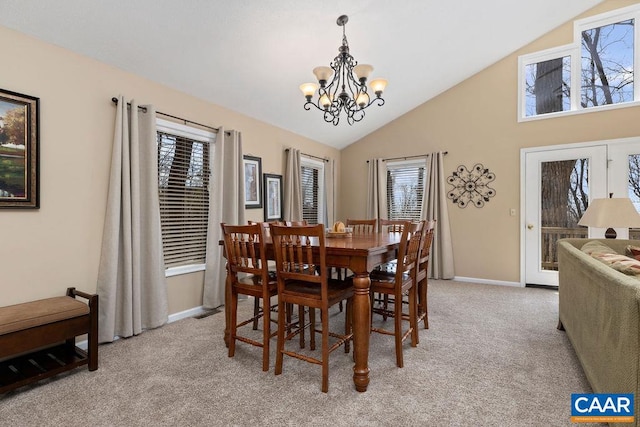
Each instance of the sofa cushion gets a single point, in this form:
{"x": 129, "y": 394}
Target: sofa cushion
{"x": 622, "y": 263}
{"x": 596, "y": 247}
{"x": 633, "y": 251}
{"x": 608, "y": 256}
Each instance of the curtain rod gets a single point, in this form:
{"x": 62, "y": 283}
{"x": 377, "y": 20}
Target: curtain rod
{"x": 311, "y": 155}
{"x": 410, "y": 157}
{"x": 185, "y": 121}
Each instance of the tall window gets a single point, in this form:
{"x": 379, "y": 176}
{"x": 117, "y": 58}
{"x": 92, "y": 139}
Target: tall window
{"x": 405, "y": 189}
{"x": 595, "y": 71}
{"x": 183, "y": 185}
{"x": 313, "y": 195}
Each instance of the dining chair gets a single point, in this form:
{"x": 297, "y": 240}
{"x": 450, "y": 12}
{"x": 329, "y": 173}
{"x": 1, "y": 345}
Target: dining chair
{"x": 398, "y": 284}
{"x": 388, "y": 226}
{"x": 362, "y": 226}
{"x": 303, "y": 279}
{"x": 391, "y": 225}
{"x": 272, "y": 274}
{"x": 422, "y": 275}
{"x": 296, "y": 223}
{"x": 248, "y": 274}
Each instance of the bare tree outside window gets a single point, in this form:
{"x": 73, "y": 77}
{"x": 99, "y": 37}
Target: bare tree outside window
{"x": 607, "y": 64}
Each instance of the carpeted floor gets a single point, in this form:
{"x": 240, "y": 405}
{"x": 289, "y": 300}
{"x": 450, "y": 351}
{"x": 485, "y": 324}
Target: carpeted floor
{"x": 492, "y": 357}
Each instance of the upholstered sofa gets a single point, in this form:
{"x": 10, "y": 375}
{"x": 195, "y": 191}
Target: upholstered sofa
{"x": 599, "y": 309}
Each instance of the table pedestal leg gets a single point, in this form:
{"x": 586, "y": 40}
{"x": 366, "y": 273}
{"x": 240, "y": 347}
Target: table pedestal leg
{"x": 361, "y": 331}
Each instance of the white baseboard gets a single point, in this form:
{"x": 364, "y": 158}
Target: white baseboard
{"x": 488, "y": 281}
{"x": 192, "y": 312}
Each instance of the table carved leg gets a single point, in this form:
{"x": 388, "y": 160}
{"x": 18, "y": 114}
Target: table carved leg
{"x": 361, "y": 330}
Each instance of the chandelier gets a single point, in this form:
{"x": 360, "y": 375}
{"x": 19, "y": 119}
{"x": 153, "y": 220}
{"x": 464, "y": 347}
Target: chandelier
{"x": 343, "y": 86}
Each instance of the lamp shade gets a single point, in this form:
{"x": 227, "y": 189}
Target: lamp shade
{"x": 612, "y": 212}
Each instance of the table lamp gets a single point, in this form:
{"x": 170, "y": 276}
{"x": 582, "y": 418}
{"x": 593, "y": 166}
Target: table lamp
{"x": 609, "y": 213}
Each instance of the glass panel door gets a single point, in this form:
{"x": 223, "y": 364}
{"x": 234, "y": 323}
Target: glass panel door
{"x": 558, "y": 186}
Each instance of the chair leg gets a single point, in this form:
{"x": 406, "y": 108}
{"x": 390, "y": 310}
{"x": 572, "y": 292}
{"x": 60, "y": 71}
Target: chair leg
{"x": 422, "y": 302}
{"x": 413, "y": 316}
{"x": 256, "y": 312}
{"x": 266, "y": 332}
{"x": 325, "y": 349}
{"x": 301, "y": 324}
{"x": 283, "y": 326}
{"x": 233, "y": 323}
{"x": 397, "y": 308}
{"x": 312, "y": 328}
{"x": 426, "y": 304}
{"x": 385, "y": 306}
{"x": 348, "y": 318}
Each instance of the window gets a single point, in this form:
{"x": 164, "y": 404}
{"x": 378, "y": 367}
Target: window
{"x": 547, "y": 81}
{"x": 405, "y": 189}
{"x": 596, "y": 71}
{"x": 183, "y": 186}
{"x": 312, "y": 182}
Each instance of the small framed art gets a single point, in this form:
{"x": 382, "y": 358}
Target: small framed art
{"x": 252, "y": 182}
{"x": 272, "y": 197}
{"x": 19, "y": 157}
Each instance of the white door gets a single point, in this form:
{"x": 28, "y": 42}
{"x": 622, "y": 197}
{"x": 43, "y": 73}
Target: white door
{"x": 558, "y": 184}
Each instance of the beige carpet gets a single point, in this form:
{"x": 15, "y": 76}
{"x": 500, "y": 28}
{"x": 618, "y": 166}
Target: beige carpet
{"x": 492, "y": 357}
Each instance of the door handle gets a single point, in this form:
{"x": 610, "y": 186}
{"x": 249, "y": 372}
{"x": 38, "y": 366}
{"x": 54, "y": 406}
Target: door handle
{"x": 530, "y": 226}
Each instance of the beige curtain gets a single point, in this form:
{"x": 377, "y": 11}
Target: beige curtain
{"x": 226, "y": 204}
{"x": 377, "y": 189}
{"x": 329, "y": 185}
{"x": 292, "y": 186}
{"x": 441, "y": 264}
{"x": 131, "y": 276}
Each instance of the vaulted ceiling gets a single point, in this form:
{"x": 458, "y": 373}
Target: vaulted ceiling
{"x": 251, "y": 55}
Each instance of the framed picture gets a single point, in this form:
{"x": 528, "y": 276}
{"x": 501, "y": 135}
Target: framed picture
{"x": 272, "y": 197}
{"x": 252, "y": 182}
{"x": 19, "y": 163}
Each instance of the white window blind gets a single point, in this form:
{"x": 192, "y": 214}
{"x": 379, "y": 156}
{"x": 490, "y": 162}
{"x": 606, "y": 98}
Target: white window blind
{"x": 405, "y": 189}
{"x": 312, "y": 182}
{"x": 183, "y": 183}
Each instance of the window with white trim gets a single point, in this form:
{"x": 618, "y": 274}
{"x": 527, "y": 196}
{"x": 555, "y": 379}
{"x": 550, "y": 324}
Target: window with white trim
{"x": 405, "y": 189}
{"x": 183, "y": 186}
{"x": 313, "y": 194}
{"x": 595, "y": 72}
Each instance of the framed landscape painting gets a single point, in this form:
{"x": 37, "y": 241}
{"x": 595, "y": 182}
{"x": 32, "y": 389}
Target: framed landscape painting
{"x": 272, "y": 197}
{"x": 19, "y": 162}
{"x": 252, "y": 182}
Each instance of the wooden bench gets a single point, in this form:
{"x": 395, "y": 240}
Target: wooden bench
{"x": 38, "y": 338}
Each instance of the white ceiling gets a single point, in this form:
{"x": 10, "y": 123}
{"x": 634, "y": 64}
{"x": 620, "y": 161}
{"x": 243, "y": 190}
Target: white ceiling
{"x": 251, "y": 55}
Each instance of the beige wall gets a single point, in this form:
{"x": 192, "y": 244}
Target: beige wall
{"x": 44, "y": 251}
{"x": 476, "y": 122}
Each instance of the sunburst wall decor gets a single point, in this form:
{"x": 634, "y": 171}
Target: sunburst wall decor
{"x": 471, "y": 186}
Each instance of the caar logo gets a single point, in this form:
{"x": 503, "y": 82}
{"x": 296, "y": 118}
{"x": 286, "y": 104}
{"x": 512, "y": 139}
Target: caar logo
{"x": 602, "y": 408}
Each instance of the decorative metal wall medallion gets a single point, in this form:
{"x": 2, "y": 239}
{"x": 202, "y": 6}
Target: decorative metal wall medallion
{"x": 471, "y": 186}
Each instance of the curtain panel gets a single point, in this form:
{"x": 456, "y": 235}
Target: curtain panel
{"x": 329, "y": 185}
{"x": 131, "y": 278}
{"x": 292, "y": 186}
{"x": 441, "y": 265}
{"x": 377, "y": 189}
{"x": 226, "y": 205}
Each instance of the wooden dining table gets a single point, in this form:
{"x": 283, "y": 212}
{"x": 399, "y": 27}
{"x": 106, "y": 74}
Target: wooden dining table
{"x": 360, "y": 253}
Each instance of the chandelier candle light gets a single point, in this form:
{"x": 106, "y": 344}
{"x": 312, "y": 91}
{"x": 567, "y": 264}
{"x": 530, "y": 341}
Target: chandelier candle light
{"x": 343, "y": 86}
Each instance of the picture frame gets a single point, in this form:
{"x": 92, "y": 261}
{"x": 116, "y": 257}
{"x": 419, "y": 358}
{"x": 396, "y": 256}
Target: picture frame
{"x": 252, "y": 181}
{"x": 273, "y": 202}
{"x": 19, "y": 150}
